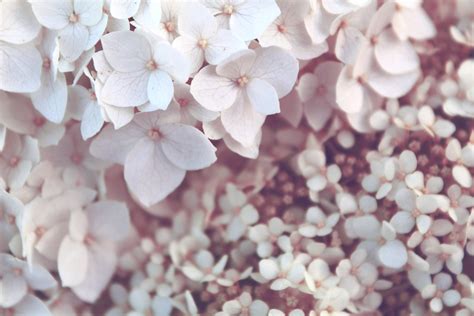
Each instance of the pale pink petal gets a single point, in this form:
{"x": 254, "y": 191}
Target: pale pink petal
{"x": 73, "y": 41}
{"x": 32, "y": 306}
{"x": 52, "y": 14}
{"x": 72, "y": 262}
{"x": 114, "y": 145}
{"x": 50, "y": 100}
{"x": 126, "y": 51}
{"x": 186, "y": 147}
{"x": 212, "y": 91}
{"x": 263, "y": 97}
{"x": 149, "y": 174}
{"x": 277, "y": 67}
{"x": 222, "y": 45}
{"x": 393, "y": 254}
{"x": 242, "y": 122}
{"x": 395, "y": 56}
{"x": 253, "y": 17}
{"x": 21, "y": 68}
{"x": 89, "y": 12}
{"x": 108, "y": 220}
{"x": 349, "y": 92}
{"x": 12, "y": 289}
{"x": 18, "y": 25}
{"x": 126, "y": 89}
{"x": 101, "y": 264}
{"x": 160, "y": 89}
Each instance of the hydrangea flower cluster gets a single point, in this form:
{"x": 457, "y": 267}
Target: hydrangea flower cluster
{"x": 236, "y": 157}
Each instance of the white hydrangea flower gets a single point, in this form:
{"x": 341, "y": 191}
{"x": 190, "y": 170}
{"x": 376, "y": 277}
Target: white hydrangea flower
{"x": 317, "y": 93}
{"x": 143, "y": 70}
{"x": 439, "y": 254}
{"x": 266, "y": 235}
{"x": 201, "y": 39}
{"x": 284, "y": 271}
{"x": 73, "y": 19}
{"x": 17, "y": 278}
{"x": 18, "y": 115}
{"x": 440, "y": 292}
{"x": 86, "y": 256}
{"x": 433, "y": 125}
{"x": 411, "y": 21}
{"x": 319, "y": 279}
{"x": 150, "y": 140}
{"x": 17, "y": 159}
{"x": 289, "y": 31}
{"x": 464, "y": 158}
{"x": 18, "y": 28}
{"x": 247, "y": 19}
{"x": 333, "y": 303}
{"x": 11, "y": 213}
{"x": 245, "y": 87}
{"x": 317, "y": 223}
{"x": 244, "y": 304}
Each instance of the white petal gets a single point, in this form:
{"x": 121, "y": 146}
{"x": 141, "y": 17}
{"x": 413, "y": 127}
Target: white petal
{"x": 367, "y": 227}
{"x": 172, "y": 61}
{"x": 114, "y": 145}
{"x": 18, "y": 25}
{"x": 408, "y": 161}
{"x": 393, "y": 254}
{"x": 221, "y": 45}
{"x": 53, "y": 14}
{"x": 395, "y": 56}
{"x": 149, "y": 174}
{"x": 263, "y": 97}
{"x": 73, "y": 41}
{"x": 189, "y": 47}
{"x": 186, "y": 147}
{"x": 50, "y": 100}
{"x": 462, "y": 176}
{"x": 242, "y": 122}
{"x": 423, "y": 223}
{"x": 126, "y": 89}
{"x": 451, "y": 298}
{"x": 124, "y": 9}
{"x": 108, "y": 220}
{"x": 72, "y": 262}
{"x": 347, "y": 44}
{"x": 90, "y": 12}
{"x": 420, "y": 27}
{"x": 444, "y": 128}
{"x": 12, "y": 289}
{"x": 32, "y": 306}
{"x": 160, "y": 89}
{"x": 403, "y": 222}
{"x": 21, "y": 68}
{"x": 149, "y": 14}
{"x": 268, "y": 269}
{"x": 392, "y": 86}
{"x": 212, "y": 91}
{"x": 349, "y": 93}
{"x": 100, "y": 268}
{"x": 253, "y": 17}
{"x": 92, "y": 120}
{"x": 126, "y": 51}
{"x": 277, "y": 67}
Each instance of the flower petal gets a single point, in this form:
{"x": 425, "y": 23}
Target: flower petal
{"x": 212, "y": 91}
{"x": 186, "y": 147}
{"x": 160, "y": 89}
{"x": 263, "y": 97}
{"x": 393, "y": 254}
{"x": 72, "y": 262}
{"x": 149, "y": 174}
{"x": 126, "y": 51}
{"x": 126, "y": 89}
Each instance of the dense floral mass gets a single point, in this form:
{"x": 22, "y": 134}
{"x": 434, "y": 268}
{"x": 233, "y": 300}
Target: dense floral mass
{"x": 236, "y": 157}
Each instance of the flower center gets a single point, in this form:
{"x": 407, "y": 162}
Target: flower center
{"x": 73, "y": 18}
{"x": 46, "y": 63}
{"x": 76, "y": 158}
{"x": 202, "y": 43}
{"x": 14, "y": 161}
{"x": 183, "y": 102}
{"x": 39, "y": 231}
{"x": 154, "y": 134}
{"x": 242, "y": 81}
{"x": 39, "y": 121}
{"x": 169, "y": 26}
{"x": 228, "y": 9}
{"x": 321, "y": 90}
{"x": 151, "y": 65}
{"x": 88, "y": 240}
{"x": 281, "y": 28}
